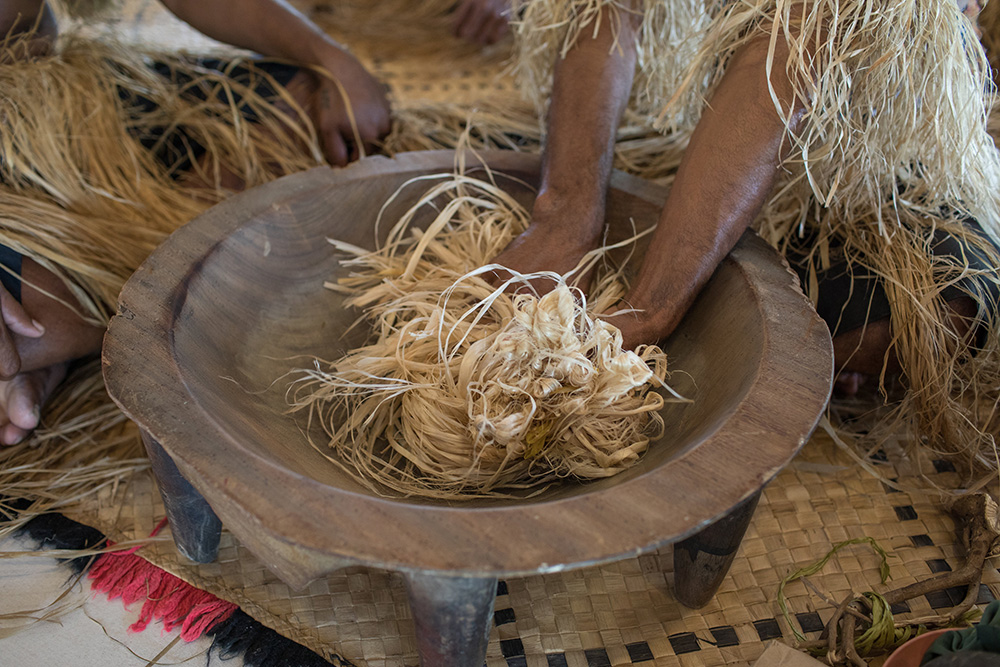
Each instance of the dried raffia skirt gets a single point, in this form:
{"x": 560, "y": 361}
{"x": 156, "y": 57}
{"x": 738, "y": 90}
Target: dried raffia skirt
{"x": 893, "y": 155}
{"x": 105, "y": 150}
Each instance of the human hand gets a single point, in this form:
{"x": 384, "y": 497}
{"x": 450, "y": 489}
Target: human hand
{"x": 635, "y": 325}
{"x": 482, "y": 22}
{"x": 347, "y": 89}
{"x": 558, "y": 237}
{"x": 14, "y": 321}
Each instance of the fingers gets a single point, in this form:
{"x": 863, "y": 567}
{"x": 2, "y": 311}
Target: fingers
{"x": 22, "y": 398}
{"x": 481, "y": 21}
{"x": 344, "y": 140}
{"x": 14, "y": 320}
{"x": 16, "y": 317}
{"x": 12, "y": 435}
{"x": 335, "y": 148}
{"x": 10, "y": 360}
{"x": 21, "y": 401}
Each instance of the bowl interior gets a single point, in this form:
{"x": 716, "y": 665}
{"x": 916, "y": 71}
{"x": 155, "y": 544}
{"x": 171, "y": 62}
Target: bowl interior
{"x": 255, "y": 309}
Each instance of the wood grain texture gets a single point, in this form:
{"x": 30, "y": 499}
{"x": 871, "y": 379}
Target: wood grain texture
{"x": 210, "y": 324}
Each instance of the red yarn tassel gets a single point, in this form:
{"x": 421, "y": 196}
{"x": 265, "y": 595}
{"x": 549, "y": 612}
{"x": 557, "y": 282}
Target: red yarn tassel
{"x": 172, "y": 600}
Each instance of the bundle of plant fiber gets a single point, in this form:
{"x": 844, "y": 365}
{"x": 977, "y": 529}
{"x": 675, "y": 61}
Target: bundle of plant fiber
{"x": 473, "y": 387}
{"x": 83, "y": 196}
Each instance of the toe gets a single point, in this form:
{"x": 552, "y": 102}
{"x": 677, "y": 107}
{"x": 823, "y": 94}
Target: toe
{"x": 23, "y": 407}
{"x": 11, "y": 434}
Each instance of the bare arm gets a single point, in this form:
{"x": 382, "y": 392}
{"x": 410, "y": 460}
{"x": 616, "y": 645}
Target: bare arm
{"x": 591, "y": 89}
{"x": 269, "y": 27}
{"x": 275, "y": 29}
{"x": 20, "y": 17}
{"x": 726, "y": 175}
{"x": 728, "y": 170}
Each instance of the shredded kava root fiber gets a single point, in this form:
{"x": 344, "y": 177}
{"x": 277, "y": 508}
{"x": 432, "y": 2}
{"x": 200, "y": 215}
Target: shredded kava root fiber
{"x": 471, "y": 388}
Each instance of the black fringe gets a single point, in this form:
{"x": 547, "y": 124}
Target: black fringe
{"x": 261, "y": 646}
{"x": 54, "y": 531}
{"x": 237, "y": 636}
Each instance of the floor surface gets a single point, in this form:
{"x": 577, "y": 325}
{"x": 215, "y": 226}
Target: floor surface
{"x": 92, "y": 632}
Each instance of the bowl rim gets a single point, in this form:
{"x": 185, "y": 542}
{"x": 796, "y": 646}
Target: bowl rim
{"x": 705, "y": 490}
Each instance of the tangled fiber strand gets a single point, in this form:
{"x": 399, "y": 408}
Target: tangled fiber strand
{"x": 471, "y": 389}
{"x": 74, "y": 173}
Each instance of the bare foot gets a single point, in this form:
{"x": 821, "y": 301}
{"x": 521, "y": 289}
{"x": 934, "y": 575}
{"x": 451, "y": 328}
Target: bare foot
{"x": 22, "y": 398}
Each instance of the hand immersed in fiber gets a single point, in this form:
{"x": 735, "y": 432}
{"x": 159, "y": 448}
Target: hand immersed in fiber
{"x": 482, "y": 22}
{"x": 559, "y": 236}
{"x": 352, "y": 108}
{"x": 275, "y": 29}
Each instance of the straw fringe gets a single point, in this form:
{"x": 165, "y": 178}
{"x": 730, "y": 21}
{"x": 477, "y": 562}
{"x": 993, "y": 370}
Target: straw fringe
{"x": 894, "y": 146}
{"x": 81, "y": 196}
{"x": 73, "y": 177}
{"x": 666, "y": 41}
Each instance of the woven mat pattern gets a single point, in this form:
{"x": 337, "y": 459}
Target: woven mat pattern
{"x": 622, "y": 613}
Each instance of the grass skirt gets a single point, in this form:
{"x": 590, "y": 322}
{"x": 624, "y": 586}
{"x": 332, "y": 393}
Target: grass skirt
{"x": 84, "y": 198}
{"x": 893, "y": 148}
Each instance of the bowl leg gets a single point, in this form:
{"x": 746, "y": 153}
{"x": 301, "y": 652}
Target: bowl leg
{"x": 702, "y": 561}
{"x": 453, "y": 617}
{"x": 195, "y": 527}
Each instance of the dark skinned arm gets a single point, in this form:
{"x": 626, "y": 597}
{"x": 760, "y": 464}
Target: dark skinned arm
{"x": 727, "y": 172}
{"x": 274, "y": 28}
{"x": 591, "y": 87}
{"x": 725, "y": 177}
{"x": 23, "y": 17}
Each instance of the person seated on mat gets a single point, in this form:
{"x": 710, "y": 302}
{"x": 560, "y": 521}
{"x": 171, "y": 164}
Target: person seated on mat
{"x": 166, "y": 136}
{"x": 868, "y": 176}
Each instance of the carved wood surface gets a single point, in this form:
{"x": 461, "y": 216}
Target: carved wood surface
{"x": 210, "y": 324}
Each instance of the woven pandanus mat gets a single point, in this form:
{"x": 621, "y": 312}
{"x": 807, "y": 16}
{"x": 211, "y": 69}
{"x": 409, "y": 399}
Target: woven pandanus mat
{"x": 623, "y": 613}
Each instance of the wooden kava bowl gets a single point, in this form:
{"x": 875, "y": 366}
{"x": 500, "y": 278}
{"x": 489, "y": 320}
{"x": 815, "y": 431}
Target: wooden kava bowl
{"x": 209, "y": 326}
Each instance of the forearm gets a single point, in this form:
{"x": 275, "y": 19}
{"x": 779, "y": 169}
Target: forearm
{"x": 728, "y": 172}
{"x": 269, "y": 27}
{"x": 20, "y": 17}
{"x": 591, "y": 89}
